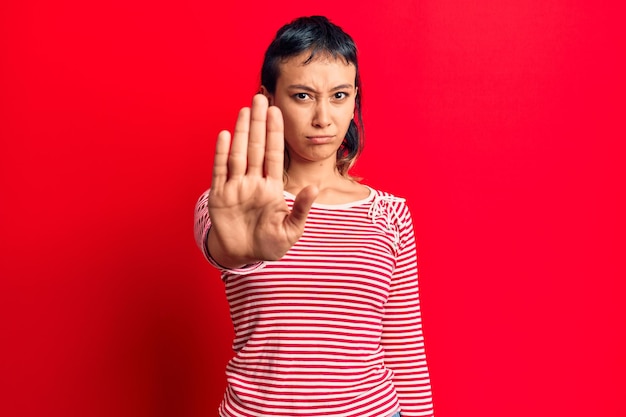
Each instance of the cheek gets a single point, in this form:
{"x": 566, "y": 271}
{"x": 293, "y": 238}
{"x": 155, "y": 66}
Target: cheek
{"x": 345, "y": 117}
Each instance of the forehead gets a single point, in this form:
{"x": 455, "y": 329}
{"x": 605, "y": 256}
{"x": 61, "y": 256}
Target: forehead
{"x": 321, "y": 69}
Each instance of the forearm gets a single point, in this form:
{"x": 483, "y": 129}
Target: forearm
{"x": 407, "y": 359}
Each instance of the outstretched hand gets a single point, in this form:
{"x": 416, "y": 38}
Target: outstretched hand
{"x": 250, "y": 219}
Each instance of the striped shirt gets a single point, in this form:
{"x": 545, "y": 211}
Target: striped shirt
{"x": 334, "y": 327}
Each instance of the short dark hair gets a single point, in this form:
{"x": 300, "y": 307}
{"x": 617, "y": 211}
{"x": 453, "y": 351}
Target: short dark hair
{"x": 317, "y": 35}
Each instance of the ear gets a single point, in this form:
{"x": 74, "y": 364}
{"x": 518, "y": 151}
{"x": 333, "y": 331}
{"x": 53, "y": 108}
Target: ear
{"x": 356, "y": 92}
{"x": 270, "y": 97}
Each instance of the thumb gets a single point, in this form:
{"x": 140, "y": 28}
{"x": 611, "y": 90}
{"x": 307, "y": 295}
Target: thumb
{"x": 302, "y": 205}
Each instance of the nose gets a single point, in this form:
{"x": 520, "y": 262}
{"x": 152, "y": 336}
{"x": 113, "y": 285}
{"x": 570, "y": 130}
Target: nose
{"x": 321, "y": 117}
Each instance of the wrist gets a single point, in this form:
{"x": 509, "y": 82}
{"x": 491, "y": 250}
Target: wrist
{"x": 222, "y": 258}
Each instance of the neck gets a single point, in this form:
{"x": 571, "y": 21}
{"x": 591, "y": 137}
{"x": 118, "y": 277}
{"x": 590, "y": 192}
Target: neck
{"x": 321, "y": 174}
{"x": 333, "y": 187}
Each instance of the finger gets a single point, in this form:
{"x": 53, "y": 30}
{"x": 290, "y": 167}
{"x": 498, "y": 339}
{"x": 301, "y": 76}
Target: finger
{"x": 237, "y": 159}
{"x": 301, "y": 207}
{"x": 256, "y": 141}
{"x": 220, "y": 161}
{"x": 275, "y": 144}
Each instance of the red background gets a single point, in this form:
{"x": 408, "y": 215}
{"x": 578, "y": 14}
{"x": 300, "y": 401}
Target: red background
{"x": 502, "y": 123}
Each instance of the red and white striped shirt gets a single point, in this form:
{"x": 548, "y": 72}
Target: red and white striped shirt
{"x": 334, "y": 327}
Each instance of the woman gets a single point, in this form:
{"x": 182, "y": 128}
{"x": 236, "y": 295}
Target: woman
{"x": 320, "y": 270}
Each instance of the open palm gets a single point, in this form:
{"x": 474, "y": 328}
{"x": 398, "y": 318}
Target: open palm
{"x": 250, "y": 218}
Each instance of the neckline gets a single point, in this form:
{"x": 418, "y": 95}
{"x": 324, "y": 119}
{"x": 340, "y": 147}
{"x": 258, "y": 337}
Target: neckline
{"x": 338, "y": 206}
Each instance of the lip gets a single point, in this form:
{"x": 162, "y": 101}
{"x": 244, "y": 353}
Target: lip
{"x": 320, "y": 139}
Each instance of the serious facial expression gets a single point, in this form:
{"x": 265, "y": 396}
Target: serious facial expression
{"x": 317, "y": 100}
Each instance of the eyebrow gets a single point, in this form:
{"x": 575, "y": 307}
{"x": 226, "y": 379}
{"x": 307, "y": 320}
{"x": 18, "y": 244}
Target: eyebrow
{"x": 312, "y": 90}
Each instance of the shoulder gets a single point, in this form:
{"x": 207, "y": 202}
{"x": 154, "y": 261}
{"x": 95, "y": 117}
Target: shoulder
{"x": 386, "y": 195}
{"x": 384, "y": 199}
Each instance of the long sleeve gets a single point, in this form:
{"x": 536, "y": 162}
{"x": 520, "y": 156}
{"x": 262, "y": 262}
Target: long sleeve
{"x": 202, "y": 223}
{"x": 402, "y": 336}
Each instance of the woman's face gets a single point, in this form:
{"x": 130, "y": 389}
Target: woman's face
{"x": 317, "y": 101}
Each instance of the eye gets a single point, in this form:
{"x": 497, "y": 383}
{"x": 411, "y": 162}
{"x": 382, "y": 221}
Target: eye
{"x": 340, "y": 95}
{"x": 301, "y": 96}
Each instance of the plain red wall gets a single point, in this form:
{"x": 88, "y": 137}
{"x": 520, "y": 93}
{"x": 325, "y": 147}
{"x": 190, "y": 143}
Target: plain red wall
{"x": 502, "y": 123}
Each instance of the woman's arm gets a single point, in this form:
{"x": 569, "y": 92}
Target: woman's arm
{"x": 250, "y": 220}
{"x": 402, "y": 337}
